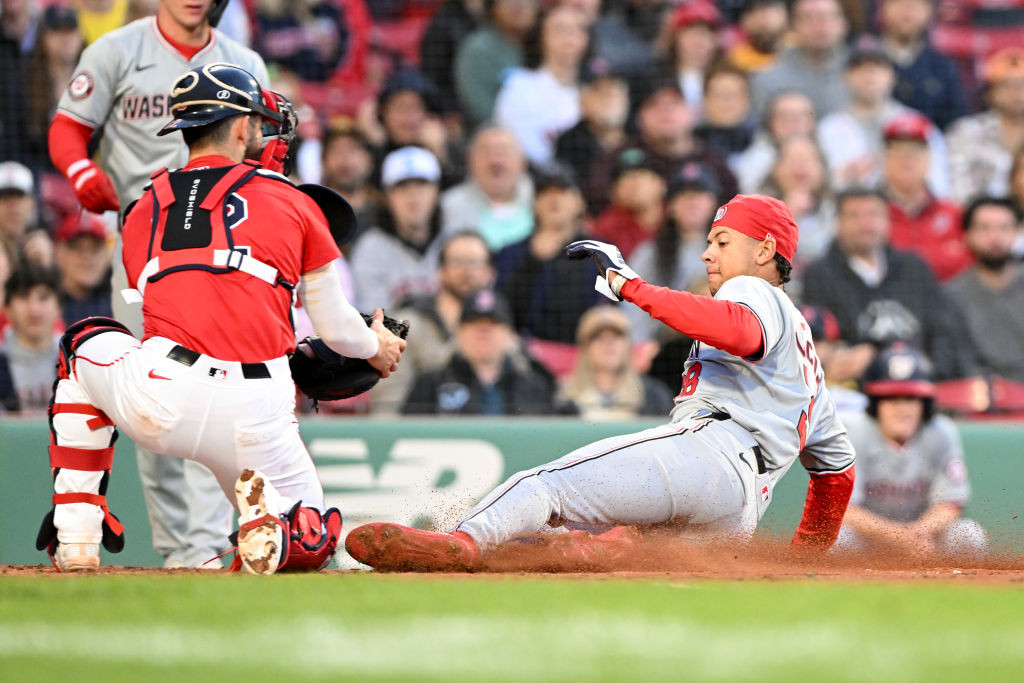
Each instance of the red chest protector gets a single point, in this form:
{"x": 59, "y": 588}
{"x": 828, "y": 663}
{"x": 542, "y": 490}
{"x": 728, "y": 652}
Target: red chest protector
{"x": 194, "y": 213}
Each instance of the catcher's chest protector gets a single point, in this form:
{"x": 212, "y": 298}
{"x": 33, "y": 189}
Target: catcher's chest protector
{"x": 193, "y": 216}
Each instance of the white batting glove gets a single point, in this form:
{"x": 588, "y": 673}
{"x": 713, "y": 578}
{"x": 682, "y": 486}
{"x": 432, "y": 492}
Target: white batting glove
{"x": 610, "y": 264}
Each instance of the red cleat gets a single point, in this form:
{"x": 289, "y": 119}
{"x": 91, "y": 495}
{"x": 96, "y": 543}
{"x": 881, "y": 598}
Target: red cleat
{"x": 393, "y": 547}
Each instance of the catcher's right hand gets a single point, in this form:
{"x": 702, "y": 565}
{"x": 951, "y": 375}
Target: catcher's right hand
{"x": 390, "y": 346}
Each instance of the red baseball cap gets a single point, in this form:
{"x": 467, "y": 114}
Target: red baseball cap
{"x": 908, "y": 126}
{"x": 698, "y": 12}
{"x": 81, "y": 224}
{"x": 761, "y": 217}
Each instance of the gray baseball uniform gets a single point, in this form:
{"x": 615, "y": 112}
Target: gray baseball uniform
{"x": 900, "y": 483}
{"x": 737, "y": 427}
{"x": 122, "y": 86}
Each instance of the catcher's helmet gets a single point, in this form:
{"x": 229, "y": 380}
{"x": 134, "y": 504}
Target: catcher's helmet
{"x": 207, "y": 94}
{"x": 899, "y": 370}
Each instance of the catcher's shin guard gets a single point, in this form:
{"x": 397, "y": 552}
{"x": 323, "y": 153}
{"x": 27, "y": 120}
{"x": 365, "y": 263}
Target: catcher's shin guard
{"x": 81, "y": 456}
{"x": 78, "y": 333}
{"x": 302, "y": 539}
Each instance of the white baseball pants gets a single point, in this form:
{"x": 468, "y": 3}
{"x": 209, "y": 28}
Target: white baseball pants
{"x": 207, "y": 412}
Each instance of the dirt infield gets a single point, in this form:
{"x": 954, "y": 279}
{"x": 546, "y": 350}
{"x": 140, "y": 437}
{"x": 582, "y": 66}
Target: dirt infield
{"x": 673, "y": 559}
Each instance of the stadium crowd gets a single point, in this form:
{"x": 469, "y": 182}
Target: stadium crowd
{"x": 475, "y": 138}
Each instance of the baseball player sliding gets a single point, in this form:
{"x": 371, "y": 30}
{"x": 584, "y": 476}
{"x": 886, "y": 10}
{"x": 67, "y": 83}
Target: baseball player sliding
{"x": 753, "y": 400}
{"x": 215, "y": 251}
{"x": 120, "y": 91}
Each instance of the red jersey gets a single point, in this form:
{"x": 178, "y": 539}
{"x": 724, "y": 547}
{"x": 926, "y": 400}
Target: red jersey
{"x": 933, "y": 233}
{"x": 232, "y": 316}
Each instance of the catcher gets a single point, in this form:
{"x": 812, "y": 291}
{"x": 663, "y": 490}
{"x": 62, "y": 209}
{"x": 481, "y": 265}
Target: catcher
{"x": 215, "y": 250}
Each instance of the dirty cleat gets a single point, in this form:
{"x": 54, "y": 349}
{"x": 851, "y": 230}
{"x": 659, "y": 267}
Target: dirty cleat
{"x": 580, "y": 550}
{"x": 77, "y": 557}
{"x": 261, "y": 534}
{"x": 393, "y": 547}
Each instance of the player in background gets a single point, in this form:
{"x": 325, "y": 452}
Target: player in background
{"x": 753, "y": 401}
{"x": 912, "y": 483}
{"x": 214, "y": 251}
{"x": 119, "y": 95}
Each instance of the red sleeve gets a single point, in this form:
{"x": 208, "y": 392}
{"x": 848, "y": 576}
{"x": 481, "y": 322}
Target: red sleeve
{"x": 68, "y": 142}
{"x": 318, "y": 247}
{"x": 827, "y": 497}
{"x": 726, "y": 325}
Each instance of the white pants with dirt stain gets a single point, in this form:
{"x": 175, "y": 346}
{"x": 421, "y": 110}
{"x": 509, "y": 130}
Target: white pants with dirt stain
{"x": 208, "y": 413}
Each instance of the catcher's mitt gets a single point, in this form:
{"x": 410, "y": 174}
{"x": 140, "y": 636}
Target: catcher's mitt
{"x": 329, "y": 376}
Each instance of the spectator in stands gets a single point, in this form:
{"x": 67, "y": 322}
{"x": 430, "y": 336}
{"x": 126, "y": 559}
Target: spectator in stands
{"x": 407, "y": 111}
{"x": 981, "y": 146}
{"x": 604, "y": 109}
{"x": 51, "y": 64}
{"x": 789, "y": 113}
{"x": 673, "y": 258}
{"x": 542, "y": 100}
{"x": 399, "y": 257}
{"x": 625, "y": 32}
{"x": 637, "y": 203}
{"x": 6, "y": 266}
{"x": 926, "y": 80}
{"x": 764, "y": 24}
{"x": 307, "y": 37}
{"x": 30, "y": 341}
{"x": 851, "y": 136}
{"x": 920, "y": 222}
{"x": 482, "y": 377}
{"x": 347, "y": 163}
{"x": 604, "y": 385}
{"x": 18, "y": 234}
{"x": 82, "y": 255}
{"x": 879, "y": 294}
{"x": 547, "y": 294}
{"x": 800, "y": 179}
{"x": 690, "y": 46}
{"x": 448, "y": 28}
{"x": 465, "y": 266}
{"x": 496, "y": 199}
{"x": 97, "y": 17}
{"x": 16, "y": 33}
{"x": 813, "y": 64}
{"x": 728, "y": 125}
{"x": 912, "y": 485}
{"x": 990, "y": 295}
{"x": 664, "y": 125}
{"x": 489, "y": 52}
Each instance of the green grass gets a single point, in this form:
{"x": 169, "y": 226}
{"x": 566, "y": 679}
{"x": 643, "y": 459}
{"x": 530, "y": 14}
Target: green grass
{"x": 372, "y": 627}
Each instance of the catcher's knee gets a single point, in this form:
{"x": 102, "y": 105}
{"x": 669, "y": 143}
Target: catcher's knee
{"x": 78, "y": 333}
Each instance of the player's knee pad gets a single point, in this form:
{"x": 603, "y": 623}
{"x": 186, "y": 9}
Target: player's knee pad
{"x": 311, "y": 539}
{"x": 78, "y": 333}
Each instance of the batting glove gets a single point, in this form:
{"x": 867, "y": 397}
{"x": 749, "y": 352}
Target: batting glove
{"x": 93, "y": 187}
{"x": 610, "y": 264}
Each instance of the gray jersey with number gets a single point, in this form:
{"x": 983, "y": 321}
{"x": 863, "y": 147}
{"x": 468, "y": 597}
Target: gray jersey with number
{"x": 122, "y": 84}
{"x": 901, "y": 482}
{"x": 781, "y": 397}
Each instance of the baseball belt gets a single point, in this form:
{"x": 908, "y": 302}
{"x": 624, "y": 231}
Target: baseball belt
{"x": 188, "y": 358}
{"x": 756, "y": 450}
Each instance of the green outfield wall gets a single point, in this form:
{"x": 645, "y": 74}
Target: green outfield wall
{"x": 429, "y": 471}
